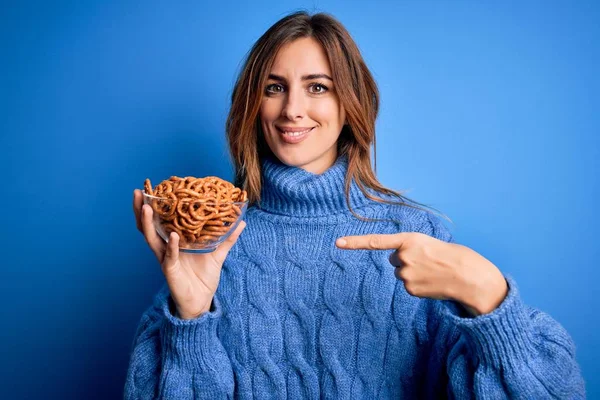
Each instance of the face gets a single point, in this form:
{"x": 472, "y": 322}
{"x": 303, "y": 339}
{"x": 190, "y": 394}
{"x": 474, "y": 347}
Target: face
{"x": 300, "y": 113}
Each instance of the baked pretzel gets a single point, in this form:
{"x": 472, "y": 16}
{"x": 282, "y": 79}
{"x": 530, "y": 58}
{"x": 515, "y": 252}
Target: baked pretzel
{"x": 199, "y": 210}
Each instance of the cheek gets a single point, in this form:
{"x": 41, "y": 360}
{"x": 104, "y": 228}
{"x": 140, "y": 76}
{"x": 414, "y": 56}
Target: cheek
{"x": 328, "y": 113}
{"x": 269, "y": 110}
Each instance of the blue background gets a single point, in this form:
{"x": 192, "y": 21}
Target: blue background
{"x": 489, "y": 113}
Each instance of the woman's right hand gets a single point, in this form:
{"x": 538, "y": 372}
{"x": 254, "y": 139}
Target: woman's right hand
{"x": 193, "y": 278}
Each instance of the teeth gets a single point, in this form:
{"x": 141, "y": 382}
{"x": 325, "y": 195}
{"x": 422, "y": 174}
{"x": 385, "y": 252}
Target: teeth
{"x": 296, "y": 133}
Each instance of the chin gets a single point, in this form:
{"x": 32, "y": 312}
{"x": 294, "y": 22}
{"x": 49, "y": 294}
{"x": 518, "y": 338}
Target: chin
{"x": 314, "y": 164}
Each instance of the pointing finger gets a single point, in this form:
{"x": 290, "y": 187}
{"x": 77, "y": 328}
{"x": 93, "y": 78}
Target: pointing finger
{"x": 372, "y": 242}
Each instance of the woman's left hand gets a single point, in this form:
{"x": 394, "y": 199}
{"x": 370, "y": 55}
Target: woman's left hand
{"x": 439, "y": 270}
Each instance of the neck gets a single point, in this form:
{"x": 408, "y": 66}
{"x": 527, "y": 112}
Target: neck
{"x": 297, "y": 192}
{"x": 322, "y": 164}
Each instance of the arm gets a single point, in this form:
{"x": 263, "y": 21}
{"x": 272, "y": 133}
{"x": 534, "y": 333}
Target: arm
{"x": 513, "y": 352}
{"x": 507, "y": 350}
{"x": 178, "y": 359}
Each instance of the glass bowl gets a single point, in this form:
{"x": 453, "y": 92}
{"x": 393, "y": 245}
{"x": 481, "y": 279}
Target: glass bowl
{"x": 202, "y": 225}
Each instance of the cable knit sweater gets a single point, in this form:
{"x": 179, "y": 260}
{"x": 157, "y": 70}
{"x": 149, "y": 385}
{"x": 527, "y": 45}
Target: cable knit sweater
{"x": 295, "y": 317}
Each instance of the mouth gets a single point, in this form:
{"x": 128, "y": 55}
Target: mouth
{"x": 294, "y": 135}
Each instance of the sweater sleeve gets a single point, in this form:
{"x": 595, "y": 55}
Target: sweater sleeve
{"x": 178, "y": 359}
{"x": 514, "y": 352}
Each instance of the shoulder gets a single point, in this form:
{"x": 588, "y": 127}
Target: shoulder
{"x": 436, "y": 227}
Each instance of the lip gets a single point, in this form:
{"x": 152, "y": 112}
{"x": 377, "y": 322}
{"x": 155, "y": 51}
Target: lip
{"x": 293, "y": 129}
{"x": 293, "y": 139}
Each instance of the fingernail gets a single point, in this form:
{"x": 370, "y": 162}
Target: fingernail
{"x": 341, "y": 242}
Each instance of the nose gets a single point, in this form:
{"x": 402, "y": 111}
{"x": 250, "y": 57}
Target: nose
{"x": 294, "y": 107}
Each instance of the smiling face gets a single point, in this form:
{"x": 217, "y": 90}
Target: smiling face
{"x": 301, "y": 115}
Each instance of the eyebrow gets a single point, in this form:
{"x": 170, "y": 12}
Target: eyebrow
{"x": 304, "y": 78}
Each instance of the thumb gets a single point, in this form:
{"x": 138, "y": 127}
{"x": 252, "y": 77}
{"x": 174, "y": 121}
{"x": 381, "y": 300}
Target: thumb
{"x": 223, "y": 249}
{"x": 172, "y": 253}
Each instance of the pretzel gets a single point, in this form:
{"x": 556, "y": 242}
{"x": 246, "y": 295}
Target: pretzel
{"x": 199, "y": 210}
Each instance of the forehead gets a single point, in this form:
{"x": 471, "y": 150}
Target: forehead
{"x": 304, "y": 55}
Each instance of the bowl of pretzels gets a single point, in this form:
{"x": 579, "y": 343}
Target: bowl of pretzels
{"x": 202, "y": 211}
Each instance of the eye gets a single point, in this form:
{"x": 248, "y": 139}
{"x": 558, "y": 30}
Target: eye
{"x": 318, "y": 88}
{"x": 274, "y": 88}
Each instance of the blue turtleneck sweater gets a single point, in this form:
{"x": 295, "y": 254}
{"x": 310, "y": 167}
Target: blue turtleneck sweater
{"x": 296, "y": 317}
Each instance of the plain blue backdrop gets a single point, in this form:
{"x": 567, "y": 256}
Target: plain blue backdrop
{"x": 489, "y": 113}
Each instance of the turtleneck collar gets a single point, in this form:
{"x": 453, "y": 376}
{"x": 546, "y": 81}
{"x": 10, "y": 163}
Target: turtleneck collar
{"x": 296, "y": 192}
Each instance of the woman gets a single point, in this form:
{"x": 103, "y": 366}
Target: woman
{"x": 304, "y": 303}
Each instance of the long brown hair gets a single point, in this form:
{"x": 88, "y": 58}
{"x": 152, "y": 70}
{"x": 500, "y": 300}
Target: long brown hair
{"x": 357, "y": 92}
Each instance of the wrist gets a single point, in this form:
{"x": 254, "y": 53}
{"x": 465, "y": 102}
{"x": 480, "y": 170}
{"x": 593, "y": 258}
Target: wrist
{"x": 485, "y": 297}
{"x": 177, "y": 312}
{"x": 482, "y": 287}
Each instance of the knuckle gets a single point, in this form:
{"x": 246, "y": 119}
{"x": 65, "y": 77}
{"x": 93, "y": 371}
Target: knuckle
{"x": 374, "y": 242}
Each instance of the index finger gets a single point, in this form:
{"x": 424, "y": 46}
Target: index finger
{"x": 372, "y": 242}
